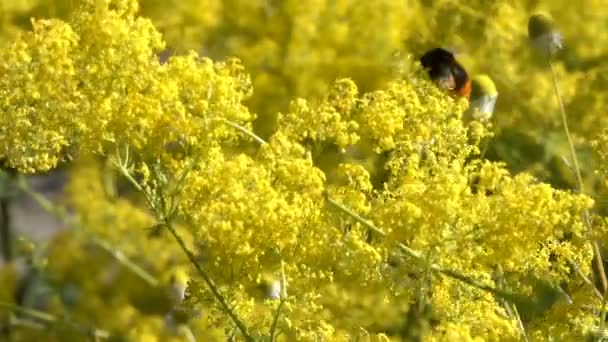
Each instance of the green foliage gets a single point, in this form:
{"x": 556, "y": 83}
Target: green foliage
{"x": 318, "y": 185}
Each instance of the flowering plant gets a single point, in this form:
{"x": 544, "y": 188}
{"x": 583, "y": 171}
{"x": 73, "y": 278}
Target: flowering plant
{"x": 314, "y": 188}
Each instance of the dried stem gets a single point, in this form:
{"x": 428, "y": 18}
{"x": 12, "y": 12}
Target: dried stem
{"x": 579, "y": 179}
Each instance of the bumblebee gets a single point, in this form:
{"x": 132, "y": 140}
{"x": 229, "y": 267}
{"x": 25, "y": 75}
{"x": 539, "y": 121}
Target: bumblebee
{"x": 446, "y": 72}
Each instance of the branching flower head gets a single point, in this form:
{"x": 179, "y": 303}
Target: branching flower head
{"x": 97, "y": 83}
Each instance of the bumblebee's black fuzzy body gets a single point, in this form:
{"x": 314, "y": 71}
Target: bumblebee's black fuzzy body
{"x": 442, "y": 65}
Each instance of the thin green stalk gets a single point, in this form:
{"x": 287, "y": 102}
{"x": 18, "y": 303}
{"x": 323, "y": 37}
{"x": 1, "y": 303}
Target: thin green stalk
{"x": 187, "y": 333}
{"x": 283, "y": 296}
{"x": 511, "y": 308}
{"x": 419, "y": 257}
{"x": 283, "y": 280}
{"x": 412, "y": 253}
{"x": 603, "y": 312}
{"x": 577, "y": 170}
{"x": 214, "y": 289}
{"x": 586, "y": 279}
{"x": 60, "y": 214}
{"x": 369, "y": 225}
{"x": 50, "y": 319}
{"x": 275, "y": 321}
{"x": 39, "y": 315}
{"x": 246, "y": 131}
{"x": 42, "y": 201}
{"x": 133, "y": 182}
{"x": 520, "y": 323}
{"x": 126, "y": 262}
{"x": 122, "y": 164}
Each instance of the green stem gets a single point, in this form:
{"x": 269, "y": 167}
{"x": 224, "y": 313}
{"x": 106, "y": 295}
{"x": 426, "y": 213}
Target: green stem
{"x": 214, "y": 289}
{"x": 520, "y": 323}
{"x": 128, "y": 176}
{"x": 122, "y": 166}
{"x": 420, "y": 258}
{"x": 275, "y": 321}
{"x": 39, "y": 315}
{"x": 283, "y": 281}
{"x": 61, "y": 215}
{"x": 603, "y": 312}
{"x": 42, "y": 201}
{"x": 246, "y": 131}
{"x": 577, "y": 170}
{"x": 586, "y": 279}
{"x": 412, "y": 253}
{"x": 126, "y": 262}
{"x": 50, "y": 319}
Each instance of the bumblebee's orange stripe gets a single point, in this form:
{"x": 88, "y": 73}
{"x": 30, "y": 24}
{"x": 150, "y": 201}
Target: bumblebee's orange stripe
{"x": 465, "y": 90}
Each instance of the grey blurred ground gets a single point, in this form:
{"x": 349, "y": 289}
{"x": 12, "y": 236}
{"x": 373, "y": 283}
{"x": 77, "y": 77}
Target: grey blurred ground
{"x": 28, "y": 218}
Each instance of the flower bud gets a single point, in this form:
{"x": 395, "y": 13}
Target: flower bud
{"x": 544, "y": 35}
{"x": 269, "y": 287}
{"x": 483, "y": 98}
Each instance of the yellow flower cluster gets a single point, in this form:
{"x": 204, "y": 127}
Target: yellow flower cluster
{"x": 295, "y": 50}
{"x": 98, "y": 82}
{"x": 363, "y": 211}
